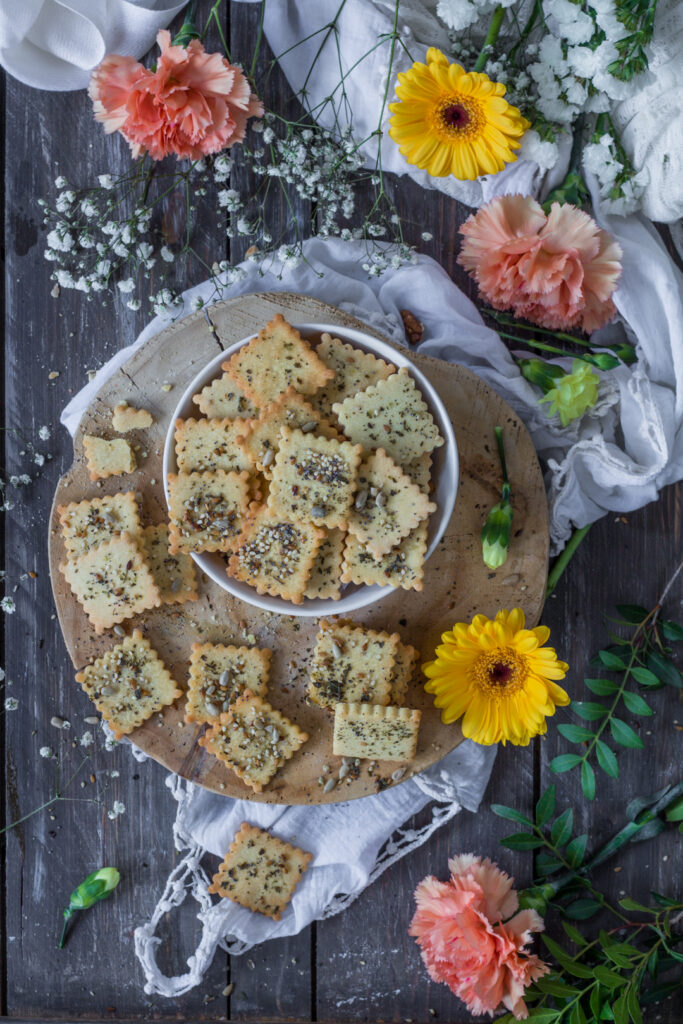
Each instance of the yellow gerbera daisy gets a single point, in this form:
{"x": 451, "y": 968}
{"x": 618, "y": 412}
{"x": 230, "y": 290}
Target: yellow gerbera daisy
{"x": 452, "y": 121}
{"x": 497, "y": 676}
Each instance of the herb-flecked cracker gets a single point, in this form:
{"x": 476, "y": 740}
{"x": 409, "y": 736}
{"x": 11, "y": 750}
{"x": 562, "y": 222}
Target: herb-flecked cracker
{"x": 112, "y": 582}
{"x": 126, "y": 417}
{"x": 85, "y": 524}
{"x": 387, "y": 506}
{"x": 207, "y": 510}
{"x": 128, "y": 684}
{"x": 391, "y": 415}
{"x": 402, "y": 567}
{"x": 223, "y": 398}
{"x": 210, "y": 444}
{"x": 381, "y": 733}
{"x": 314, "y": 478}
{"x": 325, "y": 578}
{"x": 275, "y": 555}
{"x": 260, "y": 872}
{"x": 108, "y": 458}
{"x": 219, "y": 673}
{"x": 420, "y": 471}
{"x": 404, "y": 669}
{"x": 278, "y": 358}
{"x": 354, "y": 371}
{"x": 253, "y": 739}
{"x": 261, "y": 437}
{"x": 351, "y": 663}
{"x": 174, "y": 575}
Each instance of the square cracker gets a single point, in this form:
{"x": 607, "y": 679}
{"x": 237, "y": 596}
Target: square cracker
{"x": 127, "y": 417}
{"x": 275, "y": 554}
{"x": 207, "y": 510}
{"x": 128, "y": 684}
{"x": 278, "y": 358}
{"x": 219, "y": 673}
{"x": 112, "y": 582}
{"x": 108, "y": 458}
{"x": 174, "y": 575}
{"x": 391, "y": 415}
{"x": 367, "y": 730}
{"x": 404, "y": 669}
{"x": 85, "y": 524}
{"x": 325, "y": 578}
{"x": 209, "y": 444}
{"x": 402, "y": 567}
{"x": 314, "y": 478}
{"x": 260, "y": 871}
{"x": 253, "y": 739}
{"x": 261, "y": 437}
{"x": 223, "y": 398}
{"x": 354, "y": 371}
{"x": 351, "y": 663}
{"x": 387, "y": 507}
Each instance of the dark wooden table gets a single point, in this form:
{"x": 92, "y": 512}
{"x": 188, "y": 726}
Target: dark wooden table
{"x": 360, "y": 965}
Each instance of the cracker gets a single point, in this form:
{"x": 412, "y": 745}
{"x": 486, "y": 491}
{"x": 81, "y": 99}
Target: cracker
{"x": 261, "y": 437}
{"x": 174, "y": 575}
{"x": 275, "y": 555}
{"x": 219, "y": 673}
{"x": 278, "y": 358}
{"x": 402, "y": 567}
{"x": 387, "y": 506}
{"x": 404, "y": 669}
{"x": 367, "y": 730}
{"x": 354, "y": 371}
{"x": 420, "y": 472}
{"x": 207, "y": 510}
{"x": 128, "y": 684}
{"x": 108, "y": 458}
{"x": 85, "y": 524}
{"x": 253, "y": 739}
{"x": 112, "y": 582}
{"x": 127, "y": 417}
{"x": 391, "y": 415}
{"x": 324, "y": 581}
{"x": 260, "y": 871}
{"x": 223, "y": 398}
{"x": 314, "y": 478}
{"x": 351, "y": 663}
{"x": 209, "y": 444}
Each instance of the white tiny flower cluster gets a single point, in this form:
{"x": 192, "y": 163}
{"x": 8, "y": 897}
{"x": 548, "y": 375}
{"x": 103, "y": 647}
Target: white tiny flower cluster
{"x": 117, "y": 809}
{"x": 460, "y": 14}
{"x": 8, "y": 605}
{"x": 620, "y": 188}
{"x": 11, "y": 703}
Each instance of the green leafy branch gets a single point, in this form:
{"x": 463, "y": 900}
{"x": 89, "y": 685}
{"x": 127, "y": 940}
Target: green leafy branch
{"x": 638, "y": 16}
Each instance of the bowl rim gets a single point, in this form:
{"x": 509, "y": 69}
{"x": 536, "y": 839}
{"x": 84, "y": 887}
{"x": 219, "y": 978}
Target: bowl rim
{"x": 364, "y": 594}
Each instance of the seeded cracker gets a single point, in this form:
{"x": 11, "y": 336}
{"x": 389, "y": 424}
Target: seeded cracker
{"x": 260, "y": 872}
{"x": 174, "y": 575}
{"x": 324, "y": 581}
{"x": 351, "y": 664}
{"x": 391, "y": 415}
{"x": 223, "y": 398}
{"x": 260, "y": 437}
{"x": 366, "y": 730}
{"x": 219, "y": 673}
{"x": 404, "y": 669}
{"x": 278, "y": 358}
{"x": 209, "y": 444}
{"x": 108, "y": 458}
{"x": 207, "y": 510}
{"x": 314, "y": 478}
{"x": 275, "y": 555}
{"x": 127, "y": 417}
{"x": 85, "y": 524}
{"x": 420, "y": 471}
{"x": 254, "y": 740}
{"x": 112, "y": 582}
{"x": 354, "y": 371}
{"x": 402, "y": 567}
{"x": 387, "y": 506}
{"x": 129, "y": 684}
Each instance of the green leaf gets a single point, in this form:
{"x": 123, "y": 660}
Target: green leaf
{"x": 522, "y": 841}
{"x": 546, "y": 864}
{"x": 644, "y": 676}
{"x": 664, "y": 669}
{"x": 640, "y": 803}
{"x": 511, "y": 815}
{"x": 562, "y": 828}
{"x": 633, "y": 1005}
{"x": 581, "y": 910}
{"x": 555, "y": 987}
{"x": 573, "y": 933}
{"x": 543, "y": 1016}
{"x": 575, "y": 733}
{"x": 611, "y": 661}
{"x": 577, "y": 1016}
{"x": 607, "y": 759}
{"x": 624, "y": 734}
{"x": 617, "y": 958}
{"x": 649, "y": 831}
{"x": 565, "y": 762}
{"x": 596, "y": 1001}
{"x": 576, "y": 850}
{"x": 588, "y": 780}
{"x": 628, "y": 904}
{"x": 610, "y": 979}
{"x": 635, "y": 703}
{"x": 674, "y": 811}
{"x": 663, "y": 901}
{"x": 671, "y": 630}
{"x": 565, "y": 960}
{"x": 620, "y": 1010}
{"x": 632, "y": 613}
{"x": 545, "y": 808}
{"x": 589, "y": 710}
{"x": 601, "y": 687}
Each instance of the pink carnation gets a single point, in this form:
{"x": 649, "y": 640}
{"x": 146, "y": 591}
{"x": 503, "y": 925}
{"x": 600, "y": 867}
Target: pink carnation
{"x": 470, "y": 940}
{"x": 557, "y": 270}
{"x": 195, "y": 103}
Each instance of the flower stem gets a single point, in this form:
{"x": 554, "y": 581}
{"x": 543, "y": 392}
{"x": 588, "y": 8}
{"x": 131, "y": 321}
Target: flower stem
{"x": 541, "y": 346}
{"x": 259, "y": 37}
{"x": 563, "y": 559}
{"x": 498, "y": 431}
{"x": 491, "y": 36}
{"x": 68, "y": 914}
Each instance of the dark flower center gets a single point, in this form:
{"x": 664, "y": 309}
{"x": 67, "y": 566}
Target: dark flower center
{"x": 455, "y": 116}
{"x": 500, "y": 674}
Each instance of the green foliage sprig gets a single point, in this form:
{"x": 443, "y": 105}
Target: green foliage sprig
{"x": 638, "y": 16}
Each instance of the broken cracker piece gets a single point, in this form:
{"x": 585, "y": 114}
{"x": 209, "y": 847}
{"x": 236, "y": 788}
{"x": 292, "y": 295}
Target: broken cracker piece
{"x": 127, "y": 417}
{"x": 108, "y": 458}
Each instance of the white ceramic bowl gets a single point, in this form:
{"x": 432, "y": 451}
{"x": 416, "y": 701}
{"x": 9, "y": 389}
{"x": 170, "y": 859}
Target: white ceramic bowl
{"x": 444, "y": 476}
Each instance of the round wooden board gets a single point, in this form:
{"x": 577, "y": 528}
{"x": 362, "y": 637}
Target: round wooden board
{"x": 457, "y": 585}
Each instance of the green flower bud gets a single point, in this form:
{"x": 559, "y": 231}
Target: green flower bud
{"x": 95, "y": 887}
{"x": 495, "y": 533}
{"x": 574, "y": 393}
{"x": 540, "y": 373}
